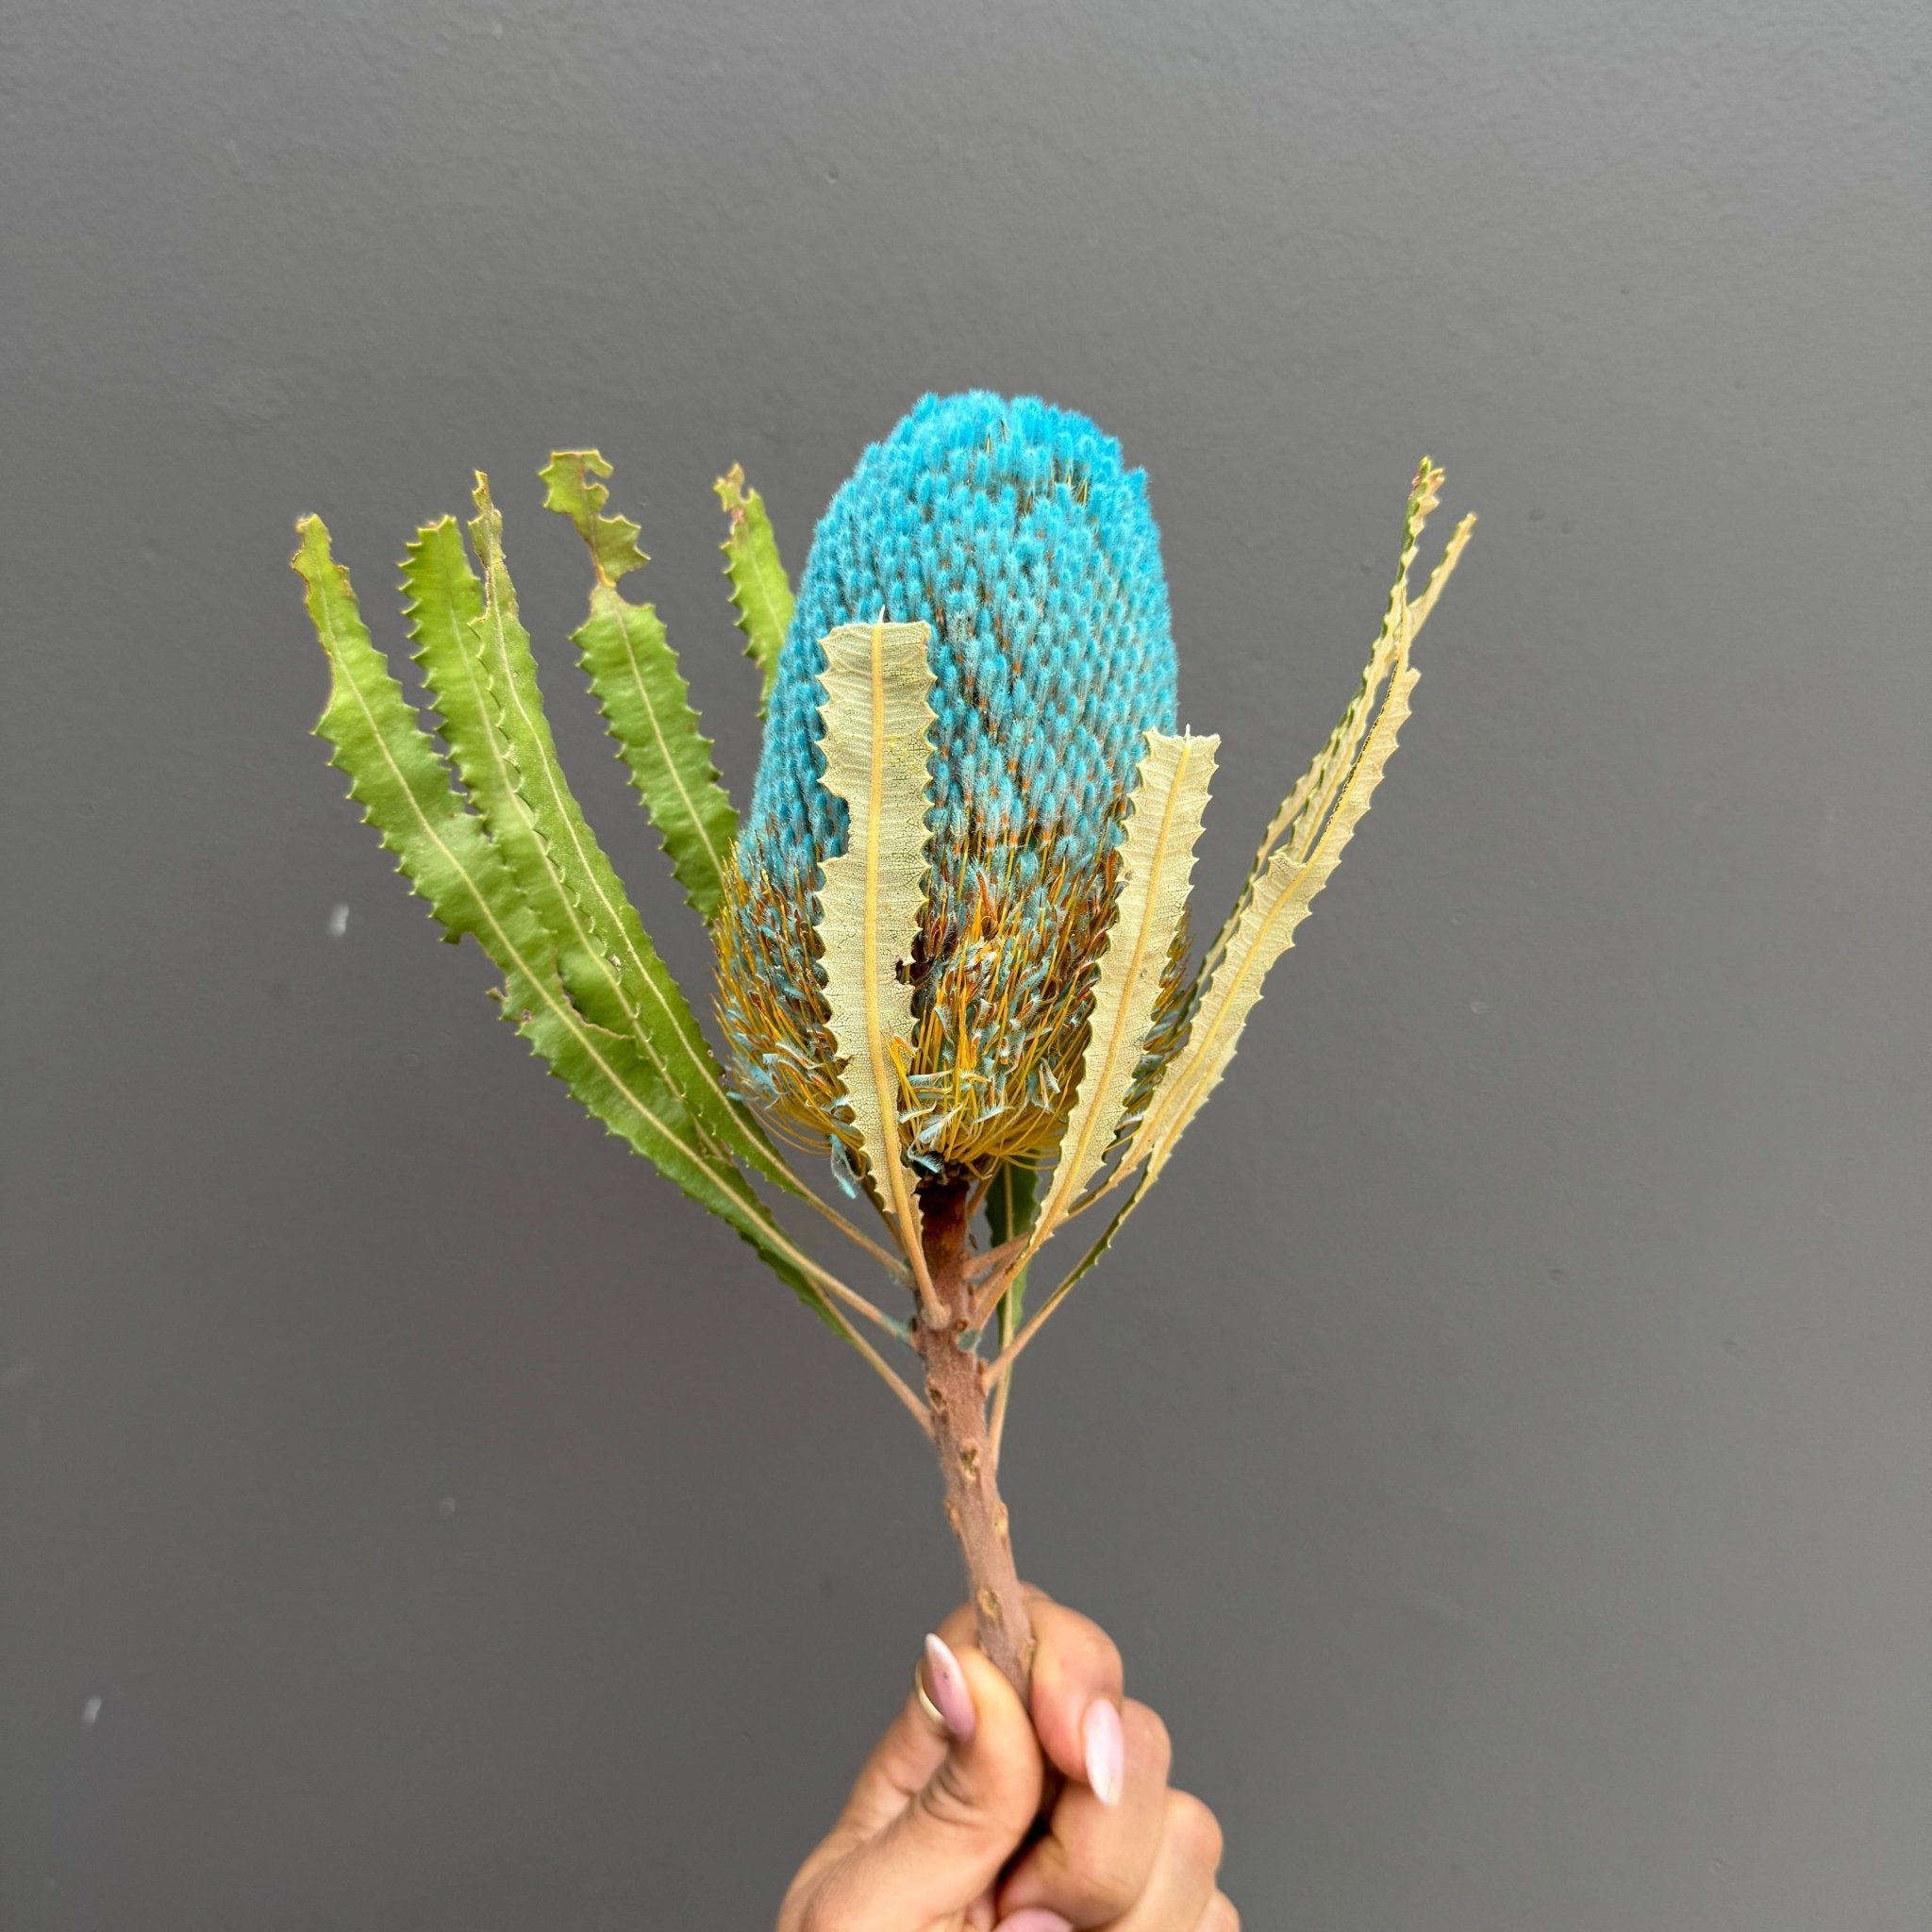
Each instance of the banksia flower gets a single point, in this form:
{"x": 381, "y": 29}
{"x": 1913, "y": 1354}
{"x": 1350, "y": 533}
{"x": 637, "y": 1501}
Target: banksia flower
{"x": 1012, "y": 532}
{"x": 951, "y": 932}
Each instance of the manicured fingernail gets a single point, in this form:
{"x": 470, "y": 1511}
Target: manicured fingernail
{"x": 1035, "y": 1919}
{"x": 946, "y": 1683}
{"x": 1106, "y": 1749}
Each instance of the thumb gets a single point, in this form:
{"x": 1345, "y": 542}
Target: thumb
{"x": 945, "y": 1845}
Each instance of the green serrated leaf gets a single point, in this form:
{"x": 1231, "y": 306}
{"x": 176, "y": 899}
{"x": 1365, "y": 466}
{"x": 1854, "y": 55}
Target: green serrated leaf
{"x": 760, "y": 591}
{"x": 398, "y": 777}
{"x": 485, "y": 700}
{"x": 643, "y": 697}
{"x": 605, "y": 957}
{"x": 612, "y": 541}
{"x": 407, "y": 795}
{"x": 441, "y": 602}
{"x": 470, "y": 653}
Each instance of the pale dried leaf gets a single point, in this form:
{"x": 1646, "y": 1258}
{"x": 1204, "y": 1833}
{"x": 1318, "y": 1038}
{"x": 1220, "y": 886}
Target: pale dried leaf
{"x": 1265, "y": 931}
{"x": 1452, "y": 556}
{"x": 1306, "y": 809}
{"x": 879, "y": 719}
{"x": 1157, "y": 858}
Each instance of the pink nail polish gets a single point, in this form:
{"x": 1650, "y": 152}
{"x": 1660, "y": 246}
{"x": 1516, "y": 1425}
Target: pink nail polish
{"x": 1105, "y": 1750}
{"x": 1035, "y": 1919}
{"x": 946, "y": 1683}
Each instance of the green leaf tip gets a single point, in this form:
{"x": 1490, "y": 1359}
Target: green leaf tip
{"x": 760, "y": 591}
{"x": 570, "y": 490}
{"x": 394, "y": 772}
{"x": 608, "y": 962}
{"x": 645, "y": 701}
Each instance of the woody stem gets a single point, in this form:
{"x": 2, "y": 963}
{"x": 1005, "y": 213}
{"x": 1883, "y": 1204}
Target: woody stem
{"x": 956, "y": 1400}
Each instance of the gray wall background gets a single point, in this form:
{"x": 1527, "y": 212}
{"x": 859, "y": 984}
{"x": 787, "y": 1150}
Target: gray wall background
{"x": 1502, "y": 1452}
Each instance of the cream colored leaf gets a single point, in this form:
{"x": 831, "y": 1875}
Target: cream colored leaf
{"x": 1452, "y": 556}
{"x": 1265, "y": 931}
{"x": 1306, "y": 809}
{"x": 1261, "y": 931}
{"x": 1303, "y": 841}
{"x": 879, "y": 719}
{"x": 1302, "y": 847}
{"x": 1157, "y": 857}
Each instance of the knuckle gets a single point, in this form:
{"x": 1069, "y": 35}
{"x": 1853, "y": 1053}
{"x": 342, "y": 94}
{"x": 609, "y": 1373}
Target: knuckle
{"x": 947, "y": 1800}
{"x": 1220, "y": 1915}
{"x": 1194, "y": 1831}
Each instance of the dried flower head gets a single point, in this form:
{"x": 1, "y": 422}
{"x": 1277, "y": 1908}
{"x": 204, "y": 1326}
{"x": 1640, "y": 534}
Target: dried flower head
{"x": 1013, "y": 530}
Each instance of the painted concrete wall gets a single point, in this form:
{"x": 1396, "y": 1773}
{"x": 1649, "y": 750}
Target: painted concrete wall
{"x": 1503, "y": 1449}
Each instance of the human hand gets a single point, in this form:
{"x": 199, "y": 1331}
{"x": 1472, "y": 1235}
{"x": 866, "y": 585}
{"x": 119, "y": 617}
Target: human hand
{"x": 940, "y": 1832}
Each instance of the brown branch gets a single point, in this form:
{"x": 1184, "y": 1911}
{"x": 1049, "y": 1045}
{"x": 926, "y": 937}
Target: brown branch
{"x": 956, "y": 1400}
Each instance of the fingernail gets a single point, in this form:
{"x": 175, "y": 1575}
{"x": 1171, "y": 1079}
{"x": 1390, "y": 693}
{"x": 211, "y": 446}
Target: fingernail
{"x": 946, "y": 1682}
{"x": 1106, "y": 1749}
{"x": 1035, "y": 1919}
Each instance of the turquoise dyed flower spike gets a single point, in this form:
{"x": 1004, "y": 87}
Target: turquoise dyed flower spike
{"x": 954, "y": 952}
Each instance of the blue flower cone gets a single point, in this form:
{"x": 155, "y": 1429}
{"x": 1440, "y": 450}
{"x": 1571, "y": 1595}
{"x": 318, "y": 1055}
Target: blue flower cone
{"x": 1013, "y": 530}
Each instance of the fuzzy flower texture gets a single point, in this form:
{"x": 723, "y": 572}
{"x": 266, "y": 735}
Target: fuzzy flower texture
{"x": 1012, "y": 528}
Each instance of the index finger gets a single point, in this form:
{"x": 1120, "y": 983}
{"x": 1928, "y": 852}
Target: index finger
{"x": 1077, "y": 1669}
